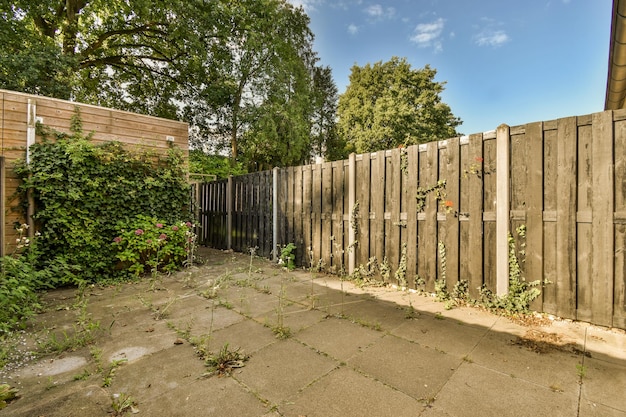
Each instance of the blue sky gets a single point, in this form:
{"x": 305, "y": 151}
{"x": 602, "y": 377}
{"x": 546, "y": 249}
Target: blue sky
{"x": 503, "y": 61}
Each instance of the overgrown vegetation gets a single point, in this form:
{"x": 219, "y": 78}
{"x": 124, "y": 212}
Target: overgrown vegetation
{"x": 87, "y": 194}
{"x": 104, "y": 213}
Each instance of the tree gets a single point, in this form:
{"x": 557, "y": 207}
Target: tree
{"x": 239, "y": 71}
{"x": 128, "y": 54}
{"x": 389, "y": 104}
{"x": 325, "y": 140}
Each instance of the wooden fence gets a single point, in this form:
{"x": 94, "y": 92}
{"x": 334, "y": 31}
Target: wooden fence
{"x": 19, "y": 113}
{"x": 564, "y": 180}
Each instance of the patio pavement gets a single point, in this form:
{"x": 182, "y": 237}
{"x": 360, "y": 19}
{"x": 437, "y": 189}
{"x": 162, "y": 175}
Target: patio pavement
{"x": 350, "y": 352}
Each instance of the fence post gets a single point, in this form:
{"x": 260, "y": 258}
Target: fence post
{"x": 31, "y": 131}
{"x": 502, "y": 209}
{"x": 229, "y": 213}
{"x": 353, "y": 220}
{"x": 275, "y": 214}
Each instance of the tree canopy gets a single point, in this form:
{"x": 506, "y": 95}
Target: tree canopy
{"x": 390, "y": 104}
{"x": 241, "y": 72}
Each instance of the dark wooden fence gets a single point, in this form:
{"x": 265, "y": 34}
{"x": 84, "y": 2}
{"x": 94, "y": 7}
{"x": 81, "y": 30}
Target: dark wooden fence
{"x": 564, "y": 180}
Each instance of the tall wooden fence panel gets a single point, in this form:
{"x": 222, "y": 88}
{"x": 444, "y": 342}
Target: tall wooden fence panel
{"x": 430, "y": 212}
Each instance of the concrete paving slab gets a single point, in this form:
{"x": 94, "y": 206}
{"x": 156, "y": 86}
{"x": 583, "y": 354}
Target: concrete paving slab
{"x": 590, "y": 409}
{"x": 248, "y": 335}
{"x": 433, "y": 332}
{"x": 85, "y": 399}
{"x": 296, "y": 317}
{"x": 604, "y": 383}
{"x": 219, "y": 397}
{"x": 477, "y": 391}
{"x": 157, "y": 374}
{"x": 544, "y": 364}
{"x": 346, "y": 393}
{"x": 417, "y": 371}
{"x": 606, "y": 344}
{"x": 376, "y": 314}
{"x": 339, "y": 338}
{"x": 278, "y": 372}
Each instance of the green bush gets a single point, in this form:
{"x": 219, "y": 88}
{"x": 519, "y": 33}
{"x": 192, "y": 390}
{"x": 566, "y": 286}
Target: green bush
{"x": 148, "y": 242}
{"x": 83, "y": 190}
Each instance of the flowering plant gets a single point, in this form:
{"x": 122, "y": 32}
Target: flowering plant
{"x": 148, "y": 242}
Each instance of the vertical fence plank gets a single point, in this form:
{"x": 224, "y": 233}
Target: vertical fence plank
{"x": 327, "y": 207}
{"x": 534, "y": 207}
{"x": 619, "y": 299}
{"x": 377, "y": 234}
{"x": 363, "y": 183}
{"x": 307, "y": 183}
{"x": 411, "y": 211}
{"x": 338, "y": 248}
{"x": 550, "y": 170}
{"x": 489, "y": 211}
{"x": 602, "y": 220}
{"x": 428, "y": 258}
{"x": 451, "y": 207}
{"x": 392, "y": 206}
{"x": 583, "y": 279}
{"x": 316, "y": 213}
{"x": 502, "y": 209}
{"x": 297, "y": 217}
{"x": 475, "y": 210}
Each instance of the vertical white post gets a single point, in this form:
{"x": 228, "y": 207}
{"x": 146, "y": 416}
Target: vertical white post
{"x": 31, "y": 132}
{"x": 502, "y": 209}
{"x": 229, "y": 213}
{"x": 275, "y": 214}
{"x": 351, "y": 203}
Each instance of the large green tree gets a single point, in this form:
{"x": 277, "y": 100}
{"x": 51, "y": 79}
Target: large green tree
{"x": 390, "y": 104}
{"x": 130, "y": 54}
{"x": 239, "y": 71}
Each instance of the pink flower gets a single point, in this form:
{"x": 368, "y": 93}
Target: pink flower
{"x": 175, "y": 228}
{"x": 188, "y": 224}
{"x": 149, "y": 241}
{"x": 139, "y": 232}
{"x": 159, "y": 225}
{"x": 162, "y": 236}
{"x": 117, "y": 239}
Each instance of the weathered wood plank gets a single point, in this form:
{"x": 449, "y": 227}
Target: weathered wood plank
{"x": 410, "y": 208}
{"x": 534, "y": 208}
{"x": 451, "y": 207}
{"x": 307, "y": 186}
{"x": 327, "y": 207}
{"x": 393, "y": 205}
{"x": 619, "y": 298}
{"x": 549, "y": 227}
{"x": 428, "y": 254}
{"x": 337, "y": 240}
{"x": 363, "y": 181}
{"x": 475, "y": 213}
{"x": 489, "y": 206}
{"x": 377, "y": 223}
{"x": 316, "y": 213}
{"x": 584, "y": 244}
{"x": 602, "y": 224}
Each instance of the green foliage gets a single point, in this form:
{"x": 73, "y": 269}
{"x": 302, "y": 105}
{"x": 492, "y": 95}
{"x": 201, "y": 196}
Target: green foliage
{"x": 218, "y": 165}
{"x": 390, "y": 104}
{"x": 83, "y": 190}
{"x": 288, "y": 256}
{"x": 147, "y": 242}
{"x": 7, "y": 394}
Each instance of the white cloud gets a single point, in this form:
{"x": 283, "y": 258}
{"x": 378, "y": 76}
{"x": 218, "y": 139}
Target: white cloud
{"x": 493, "y": 38}
{"x": 307, "y": 5}
{"x": 376, "y": 11}
{"x": 428, "y": 34}
{"x": 353, "y": 29}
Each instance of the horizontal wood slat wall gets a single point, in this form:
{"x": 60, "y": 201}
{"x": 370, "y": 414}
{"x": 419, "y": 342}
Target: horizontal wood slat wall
{"x": 567, "y": 186}
{"x": 136, "y": 130}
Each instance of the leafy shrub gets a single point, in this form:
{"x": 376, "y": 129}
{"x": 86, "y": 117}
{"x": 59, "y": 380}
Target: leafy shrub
{"x": 82, "y": 190}
{"x": 148, "y": 242}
